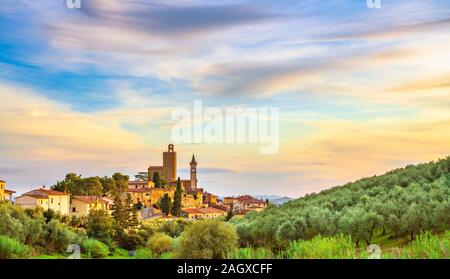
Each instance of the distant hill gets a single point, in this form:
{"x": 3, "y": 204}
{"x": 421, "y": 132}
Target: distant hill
{"x": 274, "y": 199}
{"x": 402, "y": 202}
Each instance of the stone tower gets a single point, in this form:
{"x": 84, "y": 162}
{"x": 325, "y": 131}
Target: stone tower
{"x": 170, "y": 163}
{"x": 193, "y": 165}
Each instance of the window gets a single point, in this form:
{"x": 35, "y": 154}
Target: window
{"x": 74, "y": 209}
{"x": 51, "y": 200}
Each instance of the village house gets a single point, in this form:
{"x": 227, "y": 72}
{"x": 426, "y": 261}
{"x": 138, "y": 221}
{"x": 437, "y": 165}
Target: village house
{"x": 148, "y": 196}
{"x": 82, "y": 205}
{"x": 45, "y": 198}
{"x": 210, "y": 199}
{"x": 5, "y": 194}
{"x": 203, "y": 213}
{"x": 246, "y": 203}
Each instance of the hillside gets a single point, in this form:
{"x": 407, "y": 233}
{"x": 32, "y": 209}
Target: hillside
{"x": 398, "y": 204}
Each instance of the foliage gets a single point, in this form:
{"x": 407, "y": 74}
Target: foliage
{"x": 428, "y": 246}
{"x": 18, "y": 224}
{"x": 230, "y": 213}
{"x": 335, "y": 247}
{"x": 100, "y": 226}
{"x": 176, "y": 208}
{"x": 94, "y": 248}
{"x": 160, "y": 243}
{"x": 120, "y": 182}
{"x": 142, "y": 176}
{"x": 402, "y": 202}
{"x": 92, "y": 186}
{"x": 173, "y": 228}
{"x": 130, "y": 241}
{"x": 166, "y": 204}
{"x": 208, "y": 239}
{"x": 254, "y": 253}
{"x": 156, "y": 178}
{"x": 12, "y": 249}
{"x": 57, "y": 237}
{"x": 131, "y": 213}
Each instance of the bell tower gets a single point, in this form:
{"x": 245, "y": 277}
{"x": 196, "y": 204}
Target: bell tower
{"x": 170, "y": 163}
{"x": 193, "y": 165}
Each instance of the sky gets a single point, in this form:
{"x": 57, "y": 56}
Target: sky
{"x": 91, "y": 90}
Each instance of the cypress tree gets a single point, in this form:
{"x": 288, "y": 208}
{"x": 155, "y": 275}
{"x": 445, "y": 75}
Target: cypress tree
{"x": 166, "y": 204}
{"x": 176, "y": 209}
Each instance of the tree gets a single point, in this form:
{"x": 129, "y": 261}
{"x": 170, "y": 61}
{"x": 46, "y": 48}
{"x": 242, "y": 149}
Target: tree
{"x": 131, "y": 212}
{"x": 142, "y": 176}
{"x": 207, "y": 239}
{"x": 99, "y": 225}
{"x": 108, "y": 185}
{"x": 71, "y": 183}
{"x": 92, "y": 186}
{"x": 176, "y": 209}
{"x": 414, "y": 220}
{"x": 166, "y": 204}
{"x": 160, "y": 243}
{"x": 121, "y": 182}
{"x": 157, "y": 179}
{"x": 230, "y": 213}
{"x": 119, "y": 214}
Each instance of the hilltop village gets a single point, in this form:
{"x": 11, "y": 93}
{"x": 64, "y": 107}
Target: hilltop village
{"x": 147, "y": 193}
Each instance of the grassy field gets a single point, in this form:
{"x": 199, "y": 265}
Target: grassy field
{"x": 425, "y": 246}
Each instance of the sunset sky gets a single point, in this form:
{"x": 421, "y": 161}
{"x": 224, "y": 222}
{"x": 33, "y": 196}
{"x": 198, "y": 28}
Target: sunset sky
{"x": 91, "y": 90}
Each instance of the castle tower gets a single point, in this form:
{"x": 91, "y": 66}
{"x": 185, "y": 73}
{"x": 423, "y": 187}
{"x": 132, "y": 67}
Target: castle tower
{"x": 170, "y": 163}
{"x": 193, "y": 165}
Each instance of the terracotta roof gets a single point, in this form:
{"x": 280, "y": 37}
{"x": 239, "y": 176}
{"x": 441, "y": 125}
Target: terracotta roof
{"x": 202, "y": 210}
{"x": 89, "y": 199}
{"x": 44, "y": 193}
{"x": 249, "y": 199}
{"x": 220, "y": 207}
{"x": 9, "y": 191}
{"x": 108, "y": 199}
{"x": 53, "y": 192}
{"x": 2, "y": 181}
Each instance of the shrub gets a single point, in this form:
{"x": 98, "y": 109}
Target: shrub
{"x": 13, "y": 249}
{"x": 130, "y": 242}
{"x": 160, "y": 243}
{"x": 100, "y": 225}
{"x": 335, "y": 247}
{"x": 173, "y": 228}
{"x": 207, "y": 239}
{"x": 57, "y": 237}
{"x": 94, "y": 248}
{"x": 17, "y": 223}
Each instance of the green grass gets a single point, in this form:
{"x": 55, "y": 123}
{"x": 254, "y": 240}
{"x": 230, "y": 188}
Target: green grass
{"x": 428, "y": 246}
{"x": 254, "y": 253}
{"x": 334, "y": 247}
{"x": 48, "y": 257}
